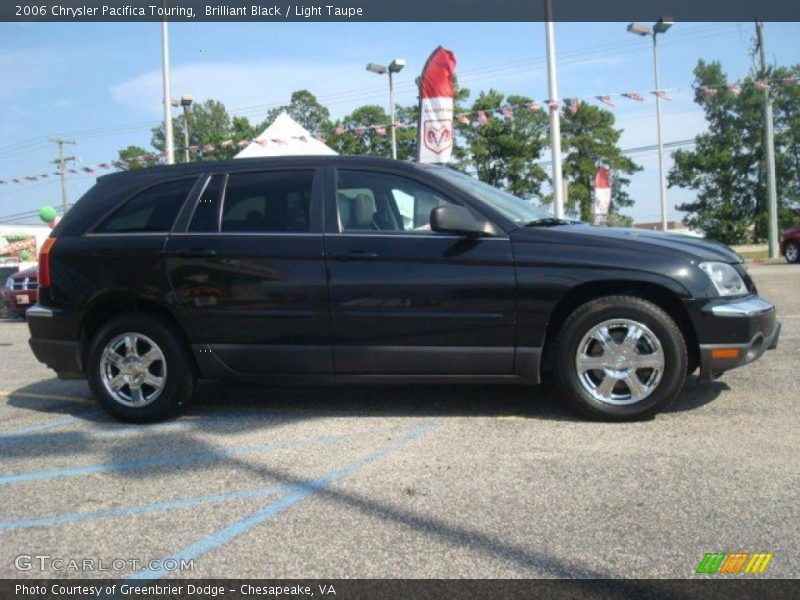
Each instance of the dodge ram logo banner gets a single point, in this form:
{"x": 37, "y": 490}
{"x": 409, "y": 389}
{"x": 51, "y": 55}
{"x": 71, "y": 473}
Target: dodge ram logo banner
{"x": 435, "y": 143}
{"x": 602, "y": 194}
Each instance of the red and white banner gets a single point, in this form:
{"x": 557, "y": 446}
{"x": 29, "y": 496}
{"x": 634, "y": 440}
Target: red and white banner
{"x": 436, "y": 92}
{"x": 602, "y": 194}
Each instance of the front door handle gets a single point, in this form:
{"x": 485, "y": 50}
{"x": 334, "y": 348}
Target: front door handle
{"x": 196, "y": 253}
{"x": 355, "y": 255}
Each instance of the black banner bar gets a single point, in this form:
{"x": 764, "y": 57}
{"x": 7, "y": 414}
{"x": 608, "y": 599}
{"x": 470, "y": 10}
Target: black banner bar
{"x": 395, "y": 11}
{"x": 711, "y": 588}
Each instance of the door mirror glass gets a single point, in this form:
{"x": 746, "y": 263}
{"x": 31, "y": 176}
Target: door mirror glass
{"x": 456, "y": 219}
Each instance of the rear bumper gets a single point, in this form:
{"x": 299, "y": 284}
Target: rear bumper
{"x": 63, "y": 356}
{"x": 739, "y": 332}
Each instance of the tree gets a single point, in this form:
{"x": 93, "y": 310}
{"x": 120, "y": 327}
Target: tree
{"x": 304, "y": 108}
{"x": 209, "y": 125}
{"x": 726, "y": 166}
{"x": 503, "y": 152}
{"x": 590, "y": 138}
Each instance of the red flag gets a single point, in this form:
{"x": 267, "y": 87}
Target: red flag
{"x": 435, "y": 144}
{"x": 482, "y": 118}
{"x": 633, "y": 96}
{"x": 606, "y": 99}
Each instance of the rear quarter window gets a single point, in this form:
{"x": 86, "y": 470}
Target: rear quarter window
{"x": 152, "y": 210}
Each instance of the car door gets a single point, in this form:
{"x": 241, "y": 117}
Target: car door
{"x": 248, "y": 271}
{"x": 407, "y": 300}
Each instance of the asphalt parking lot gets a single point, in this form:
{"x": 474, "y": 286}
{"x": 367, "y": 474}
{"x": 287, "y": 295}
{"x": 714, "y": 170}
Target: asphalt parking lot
{"x": 403, "y": 481}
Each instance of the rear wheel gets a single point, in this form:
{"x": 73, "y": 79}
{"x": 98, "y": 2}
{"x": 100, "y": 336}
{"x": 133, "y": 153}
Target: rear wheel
{"x": 138, "y": 369}
{"x": 792, "y": 252}
{"x": 620, "y": 358}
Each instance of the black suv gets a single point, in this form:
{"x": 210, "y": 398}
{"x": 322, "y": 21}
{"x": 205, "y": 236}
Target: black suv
{"x": 357, "y": 269}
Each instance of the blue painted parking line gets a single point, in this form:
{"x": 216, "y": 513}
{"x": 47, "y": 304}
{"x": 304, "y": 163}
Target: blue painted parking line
{"x": 76, "y": 418}
{"x": 301, "y": 491}
{"x": 158, "y": 461}
{"x": 51, "y": 520}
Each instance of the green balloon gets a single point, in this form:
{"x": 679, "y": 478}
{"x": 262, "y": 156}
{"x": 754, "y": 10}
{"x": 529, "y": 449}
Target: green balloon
{"x": 47, "y": 213}
{"x": 24, "y": 255}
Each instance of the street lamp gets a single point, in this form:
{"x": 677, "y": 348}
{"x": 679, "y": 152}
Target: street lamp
{"x": 185, "y": 102}
{"x": 394, "y": 67}
{"x": 640, "y": 29}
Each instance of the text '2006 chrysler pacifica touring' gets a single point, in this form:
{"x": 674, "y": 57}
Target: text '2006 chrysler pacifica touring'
{"x": 354, "y": 269}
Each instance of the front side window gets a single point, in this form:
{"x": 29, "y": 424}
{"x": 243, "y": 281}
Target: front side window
{"x": 267, "y": 202}
{"x": 369, "y": 201}
{"x": 151, "y": 211}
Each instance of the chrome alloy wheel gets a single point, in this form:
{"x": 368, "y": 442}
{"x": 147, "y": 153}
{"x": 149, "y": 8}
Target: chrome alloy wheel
{"x": 133, "y": 369}
{"x": 619, "y": 362}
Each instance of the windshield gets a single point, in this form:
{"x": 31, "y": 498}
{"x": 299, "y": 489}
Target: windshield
{"x": 516, "y": 209}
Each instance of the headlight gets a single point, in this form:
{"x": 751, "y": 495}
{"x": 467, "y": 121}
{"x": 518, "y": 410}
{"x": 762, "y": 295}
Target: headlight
{"x": 9, "y": 284}
{"x": 725, "y": 278}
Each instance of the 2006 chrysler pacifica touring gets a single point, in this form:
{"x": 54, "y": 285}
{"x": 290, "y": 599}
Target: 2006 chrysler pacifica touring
{"x": 363, "y": 269}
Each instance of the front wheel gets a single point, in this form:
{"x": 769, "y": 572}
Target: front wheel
{"x": 138, "y": 369}
{"x": 792, "y": 252}
{"x": 620, "y": 358}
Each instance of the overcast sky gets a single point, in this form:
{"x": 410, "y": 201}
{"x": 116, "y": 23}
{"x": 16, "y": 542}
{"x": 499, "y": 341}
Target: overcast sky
{"x": 100, "y": 84}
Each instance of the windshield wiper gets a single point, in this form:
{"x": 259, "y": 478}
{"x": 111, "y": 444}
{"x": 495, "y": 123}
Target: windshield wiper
{"x": 549, "y": 222}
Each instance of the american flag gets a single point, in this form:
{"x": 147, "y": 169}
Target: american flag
{"x": 279, "y": 141}
{"x": 339, "y": 130}
{"x": 243, "y": 143}
{"x": 464, "y": 119}
{"x": 44, "y": 175}
{"x": 226, "y": 144}
{"x": 663, "y": 95}
{"x": 32, "y": 178}
{"x": 482, "y": 118}
{"x": 553, "y": 104}
{"x": 320, "y": 138}
{"x": 761, "y": 84}
{"x": 263, "y": 143}
{"x": 192, "y": 149}
{"x": 708, "y": 90}
{"x": 3, "y": 182}
{"x": 572, "y": 105}
{"x": 380, "y": 130}
{"x": 507, "y": 112}
{"x": 104, "y": 165}
{"x": 734, "y": 88}
{"x": 359, "y": 130}
{"x": 791, "y": 80}
{"x": 16, "y": 181}
{"x": 399, "y": 125}
{"x": 633, "y": 96}
{"x": 88, "y": 169}
{"x": 533, "y": 107}
{"x": 606, "y": 99}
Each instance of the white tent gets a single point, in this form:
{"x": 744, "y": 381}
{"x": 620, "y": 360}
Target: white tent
{"x": 285, "y": 137}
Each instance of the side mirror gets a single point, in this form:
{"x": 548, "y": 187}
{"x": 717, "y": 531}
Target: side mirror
{"x": 456, "y": 219}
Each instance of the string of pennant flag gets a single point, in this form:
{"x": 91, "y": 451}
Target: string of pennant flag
{"x": 479, "y": 117}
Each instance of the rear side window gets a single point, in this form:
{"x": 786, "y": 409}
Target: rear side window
{"x": 267, "y": 202}
{"x": 152, "y": 210}
{"x": 206, "y": 213}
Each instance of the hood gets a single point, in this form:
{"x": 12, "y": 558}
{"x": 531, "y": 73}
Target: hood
{"x": 635, "y": 239}
{"x": 30, "y": 272}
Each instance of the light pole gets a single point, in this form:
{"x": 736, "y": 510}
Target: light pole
{"x": 555, "y": 116}
{"x": 185, "y": 102}
{"x": 640, "y": 29}
{"x": 169, "y": 146}
{"x": 394, "y": 67}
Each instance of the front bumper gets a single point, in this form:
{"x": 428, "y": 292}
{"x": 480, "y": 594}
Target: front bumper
{"x": 735, "y": 333}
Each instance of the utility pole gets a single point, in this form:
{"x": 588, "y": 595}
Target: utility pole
{"x": 662, "y": 185}
{"x": 769, "y": 142}
{"x": 61, "y": 161}
{"x": 555, "y": 116}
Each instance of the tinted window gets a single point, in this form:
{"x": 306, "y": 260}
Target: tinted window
{"x": 206, "y": 211}
{"x": 265, "y": 202}
{"x": 152, "y": 210}
{"x": 380, "y": 202}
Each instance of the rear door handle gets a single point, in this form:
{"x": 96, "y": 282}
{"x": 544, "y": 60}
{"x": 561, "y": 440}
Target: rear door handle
{"x": 355, "y": 255}
{"x": 196, "y": 253}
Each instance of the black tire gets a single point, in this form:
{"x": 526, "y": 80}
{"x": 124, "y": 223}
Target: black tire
{"x": 792, "y": 250}
{"x": 595, "y": 312}
{"x": 179, "y": 375}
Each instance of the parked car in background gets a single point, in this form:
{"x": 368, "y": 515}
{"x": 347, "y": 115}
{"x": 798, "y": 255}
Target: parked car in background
{"x": 22, "y": 290}
{"x": 358, "y": 269}
{"x": 790, "y": 244}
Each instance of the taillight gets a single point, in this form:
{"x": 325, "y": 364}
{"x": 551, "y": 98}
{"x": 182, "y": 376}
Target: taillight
{"x": 44, "y": 262}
